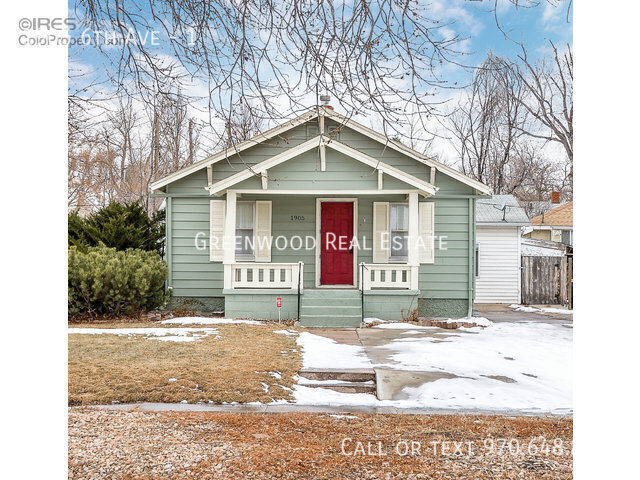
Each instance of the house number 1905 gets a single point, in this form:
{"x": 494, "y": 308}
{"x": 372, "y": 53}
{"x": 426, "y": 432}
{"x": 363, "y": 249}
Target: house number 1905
{"x": 297, "y": 217}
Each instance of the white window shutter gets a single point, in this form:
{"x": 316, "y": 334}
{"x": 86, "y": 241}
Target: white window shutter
{"x": 381, "y": 232}
{"x": 426, "y": 230}
{"x": 216, "y": 230}
{"x": 262, "y": 234}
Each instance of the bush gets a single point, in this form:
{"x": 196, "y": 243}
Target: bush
{"x": 104, "y": 281}
{"x": 120, "y": 226}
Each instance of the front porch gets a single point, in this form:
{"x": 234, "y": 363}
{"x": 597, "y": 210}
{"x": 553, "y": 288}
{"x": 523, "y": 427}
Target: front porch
{"x": 385, "y": 293}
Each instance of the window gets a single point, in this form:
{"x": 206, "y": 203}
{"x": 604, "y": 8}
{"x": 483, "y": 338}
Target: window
{"x": 245, "y": 215}
{"x": 399, "y": 232}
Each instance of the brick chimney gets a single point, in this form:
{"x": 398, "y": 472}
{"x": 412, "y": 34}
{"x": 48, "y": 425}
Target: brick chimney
{"x": 555, "y": 197}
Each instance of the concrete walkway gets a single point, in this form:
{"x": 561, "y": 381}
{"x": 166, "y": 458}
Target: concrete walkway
{"x": 292, "y": 408}
{"x": 502, "y": 313}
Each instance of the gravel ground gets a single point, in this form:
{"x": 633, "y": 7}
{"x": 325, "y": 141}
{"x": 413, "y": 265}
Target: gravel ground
{"x": 170, "y": 445}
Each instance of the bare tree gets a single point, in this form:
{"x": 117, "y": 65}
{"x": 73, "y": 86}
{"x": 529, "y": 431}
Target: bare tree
{"x": 487, "y": 123}
{"x": 243, "y": 123}
{"x": 549, "y": 99}
{"x": 374, "y": 57}
{"x": 119, "y": 158}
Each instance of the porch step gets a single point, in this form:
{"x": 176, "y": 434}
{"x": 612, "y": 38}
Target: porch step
{"x": 341, "y": 380}
{"x": 322, "y": 301}
{"x": 347, "y": 375}
{"x": 330, "y": 308}
{"x": 313, "y": 310}
{"x": 347, "y": 387}
{"x": 330, "y": 320}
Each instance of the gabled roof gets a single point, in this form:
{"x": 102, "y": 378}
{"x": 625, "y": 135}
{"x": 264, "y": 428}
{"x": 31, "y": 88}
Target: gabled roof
{"x": 561, "y": 216}
{"x": 313, "y": 113}
{"x": 500, "y": 210}
{"x": 261, "y": 168}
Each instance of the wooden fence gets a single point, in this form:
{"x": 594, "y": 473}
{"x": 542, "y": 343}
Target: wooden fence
{"x": 547, "y": 280}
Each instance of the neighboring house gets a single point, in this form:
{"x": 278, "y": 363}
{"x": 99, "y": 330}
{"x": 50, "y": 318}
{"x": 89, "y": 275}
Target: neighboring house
{"x": 499, "y": 222}
{"x": 542, "y": 248}
{"x": 556, "y": 225}
{"x": 292, "y": 189}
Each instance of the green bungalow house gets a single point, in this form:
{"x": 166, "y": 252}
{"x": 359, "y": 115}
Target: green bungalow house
{"x": 324, "y": 220}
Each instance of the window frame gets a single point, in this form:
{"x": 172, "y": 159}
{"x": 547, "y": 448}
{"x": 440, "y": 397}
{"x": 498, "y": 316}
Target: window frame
{"x": 246, "y": 256}
{"x": 398, "y": 258}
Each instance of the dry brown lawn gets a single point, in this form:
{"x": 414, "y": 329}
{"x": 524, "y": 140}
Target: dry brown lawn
{"x": 148, "y": 445}
{"x": 109, "y": 368}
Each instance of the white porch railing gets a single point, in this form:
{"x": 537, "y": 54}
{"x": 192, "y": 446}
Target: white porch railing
{"x": 388, "y": 275}
{"x": 263, "y": 275}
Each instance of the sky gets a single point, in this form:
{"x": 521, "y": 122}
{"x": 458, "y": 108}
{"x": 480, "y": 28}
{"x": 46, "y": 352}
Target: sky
{"x": 474, "y": 21}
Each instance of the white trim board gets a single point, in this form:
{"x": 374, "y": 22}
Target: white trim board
{"x": 220, "y": 187}
{"x": 313, "y": 113}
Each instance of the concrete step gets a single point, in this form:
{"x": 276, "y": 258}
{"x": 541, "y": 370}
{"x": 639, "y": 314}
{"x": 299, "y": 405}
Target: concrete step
{"x": 347, "y": 387}
{"x": 330, "y": 320}
{"x": 324, "y": 301}
{"x": 331, "y": 293}
{"x": 348, "y": 375}
{"x": 341, "y": 310}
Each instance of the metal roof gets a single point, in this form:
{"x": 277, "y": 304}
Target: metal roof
{"x": 489, "y": 211}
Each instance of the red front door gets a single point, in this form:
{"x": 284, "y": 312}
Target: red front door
{"x": 336, "y": 255}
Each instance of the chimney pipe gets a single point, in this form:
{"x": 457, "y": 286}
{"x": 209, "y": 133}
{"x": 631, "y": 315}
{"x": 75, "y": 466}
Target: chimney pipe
{"x": 555, "y": 197}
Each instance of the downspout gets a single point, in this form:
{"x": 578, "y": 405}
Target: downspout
{"x": 167, "y": 242}
{"x": 472, "y": 242}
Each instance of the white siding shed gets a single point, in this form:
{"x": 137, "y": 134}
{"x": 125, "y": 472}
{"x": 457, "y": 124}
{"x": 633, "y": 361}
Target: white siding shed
{"x": 499, "y": 222}
{"x": 498, "y": 279}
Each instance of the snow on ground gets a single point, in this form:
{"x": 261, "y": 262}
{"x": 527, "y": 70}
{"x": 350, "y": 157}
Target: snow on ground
{"x": 530, "y": 364}
{"x": 165, "y": 334}
{"x": 506, "y": 366}
{"x": 370, "y": 320}
{"x": 403, "y": 326}
{"x": 207, "y": 321}
{"x": 288, "y": 333}
{"x": 522, "y": 308}
{"x": 479, "y": 321}
{"x": 322, "y": 352}
{"x": 557, "y": 310}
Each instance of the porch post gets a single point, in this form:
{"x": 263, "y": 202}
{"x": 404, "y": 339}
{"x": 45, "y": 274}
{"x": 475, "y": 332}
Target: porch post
{"x": 228, "y": 243}
{"x": 413, "y": 254}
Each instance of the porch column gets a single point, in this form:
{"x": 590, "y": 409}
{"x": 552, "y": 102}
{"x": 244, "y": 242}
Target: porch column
{"x": 228, "y": 243}
{"x": 413, "y": 257}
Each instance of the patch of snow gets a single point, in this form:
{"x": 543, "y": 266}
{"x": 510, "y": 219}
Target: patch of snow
{"x": 184, "y": 401}
{"x": 207, "y": 321}
{"x": 370, "y": 320}
{"x": 323, "y": 396}
{"x": 276, "y": 375}
{"x": 172, "y": 380}
{"x": 322, "y": 352}
{"x": 522, "y": 308}
{"x": 342, "y": 416}
{"x": 288, "y": 333}
{"x": 309, "y": 381}
{"x": 479, "y": 321}
{"x": 166, "y": 334}
{"x": 557, "y": 310}
{"x": 403, "y": 326}
{"x": 265, "y": 386}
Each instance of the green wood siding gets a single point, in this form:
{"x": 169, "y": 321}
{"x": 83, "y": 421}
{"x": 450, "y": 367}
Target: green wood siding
{"x": 193, "y": 275}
